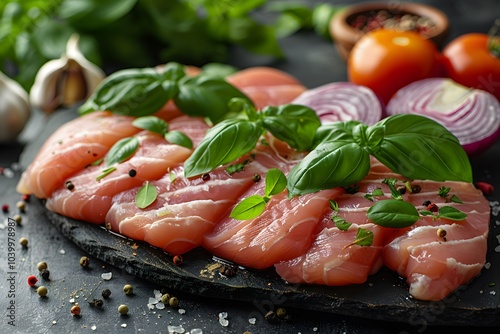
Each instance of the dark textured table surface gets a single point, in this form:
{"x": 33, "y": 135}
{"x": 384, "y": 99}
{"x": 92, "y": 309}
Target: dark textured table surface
{"x": 312, "y": 60}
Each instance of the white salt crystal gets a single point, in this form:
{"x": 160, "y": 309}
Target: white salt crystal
{"x": 124, "y": 325}
{"x": 315, "y": 329}
{"x": 160, "y": 306}
{"x": 493, "y": 293}
{"x": 152, "y": 300}
{"x": 106, "y": 276}
{"x": 497, "y": 249}
{"x": 94, "y": 327}
{"x": 196, "y": 331}
{"x": 151, "y": 306}
{"x": 62, "y": 251}
{"x": 252, "y": 321}
{"x": 158, "y": 294}
{"x": 175, "y": 329}
{"x": 487, "y": 265}
{"x": 222, "y": 319}
{"x": 182, "y": 311}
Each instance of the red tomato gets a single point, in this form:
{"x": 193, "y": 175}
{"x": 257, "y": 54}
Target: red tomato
{"x": 387, "y": 60}
{"x": 469, "y": 62}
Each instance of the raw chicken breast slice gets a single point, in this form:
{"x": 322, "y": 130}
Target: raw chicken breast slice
{"x": 267, "y": 86}
{"x": 71, "y": 148}
{"x": 334, "y": 260}
{"x": 89, "y": 199}
{"x": 186, "y": 209}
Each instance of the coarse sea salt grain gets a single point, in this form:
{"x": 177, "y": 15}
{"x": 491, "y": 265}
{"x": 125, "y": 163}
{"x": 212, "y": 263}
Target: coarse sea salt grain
{"x": 124, "y": 325}
{"x": 497, "y": 249}
{"x": 222, "y": 319}
{"x": 252, "y": 321}
{"x": 493, "y": 293}
{"x": 160, "y": 306}
{"x": 487, "y": 265}
{"x": 182, "y": 311}
{"x": 152, "y": 300}
{"x": 94, "y": 327}
{"x": 175, "y": 329}
{"x": 106, "y": 276}
{"x": 196, "y": 331}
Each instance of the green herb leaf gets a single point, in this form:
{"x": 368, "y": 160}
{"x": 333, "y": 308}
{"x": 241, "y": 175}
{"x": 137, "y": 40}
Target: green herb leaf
{"x": 451, "y": 213}
{"x": 105, "y": 172}
{"x": 391, "y": 182}
{"x": 374, "y": 193}
{"x": 426, "y": 213}
{"x": 330, "y": 164}
{"x": 455, "y": 199}
{"x": 131, "y": 92}
{"x": 146, "y": 196}
{"x": 224, "y": 143}
{"x": 179, "y": 138}
{"x": 341, "y": 223}
{"x": 420, "y": 148}
{"x": 249, "y": 208}
{"x": 152, "y": 124}
{"x": 337, "y": 131}
{"x": 234, "y": 168}
{"x": 172, "y": 176}
{"x": 364, "y": 237}
{"x": 206, "y": 96}
{"x": 122, "y": 150}
{"x": 393, "y": 213}
{"x": 443, "y": 191}
{"x": 293, "y": 124}
{"x": 334, "y": 205}
{"x": 275, "y": 182}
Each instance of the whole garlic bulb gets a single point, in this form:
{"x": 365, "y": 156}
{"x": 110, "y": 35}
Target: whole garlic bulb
{"x": 65, "y": 81}
{"x": 15, "y": 109}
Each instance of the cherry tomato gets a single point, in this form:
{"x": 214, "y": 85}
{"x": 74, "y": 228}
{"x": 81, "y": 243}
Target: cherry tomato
{"x": 468, "y": 61}
{"x": 387, "y": 60}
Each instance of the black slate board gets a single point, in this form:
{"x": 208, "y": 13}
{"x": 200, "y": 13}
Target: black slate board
{"x": 384, "y": 297}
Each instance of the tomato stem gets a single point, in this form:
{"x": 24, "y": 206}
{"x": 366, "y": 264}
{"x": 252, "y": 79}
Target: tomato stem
{"x": 494, "y": 39}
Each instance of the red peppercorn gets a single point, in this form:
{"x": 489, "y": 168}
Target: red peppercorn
{"x": 32, "y": 280}
{"x": 485, "y": 187}
{"x": 432, "y": 207}
{"x": 26, "y": 198}
{"x": 205, "y": 177}
{"x": 177, "y": 260}
{"x": 5, "y": 208}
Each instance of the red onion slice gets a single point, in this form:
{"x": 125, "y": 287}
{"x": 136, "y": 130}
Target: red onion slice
{"x": 342, "y": 101}
{"x": 472, "y": 115}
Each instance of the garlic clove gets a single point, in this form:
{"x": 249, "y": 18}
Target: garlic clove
{"x": 65, "y": 81}
{"x": 15, "y": 109}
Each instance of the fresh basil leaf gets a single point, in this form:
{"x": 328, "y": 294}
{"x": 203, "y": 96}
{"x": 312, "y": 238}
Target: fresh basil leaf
{"x": 223, "y": 143}
{"x": 275, "y": 182}
{"x": 443, "y": 191}
{"x": 364, "y": 237}
{"x": 206, "y": 96}
{"x": 253, "y": 36}
{"x": 374, "y": 193}
{"x": 179, "y": 138}
{"x": 152, "y": 124}
{"x": 426, "y": 213}
{"x": 131, "y": 92}
{"x": 293, "y": 124}
{"x": 455, "y": 199}
{"x": 374, "y": 136}
{"x": 391, "y": 182}
{"x": 238, "y": 105}
{"x": 249, "y": 208}
{"x": 334, "y": 205}
{"x": 93, "y": 14}
{"x": 105, "y": 172}
{"x": 330, "y": 164}
{"x": 393, "y": 213}
{"x": 234, "y": 168}
{"x": 122, "y": 150}
{"x": 451, "y": 213}
{"x": 335, "y": 131}
{"x": 341, "y": 223}
{"x": 420, "y": 148}
{"x": 218, "y": 70}
{"x": 146, "y": 195}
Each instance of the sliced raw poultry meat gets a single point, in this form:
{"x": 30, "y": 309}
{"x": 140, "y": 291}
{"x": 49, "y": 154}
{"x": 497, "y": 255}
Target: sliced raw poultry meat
{"x": 433, "y": 265}
{"x": 71, "y": 148}
{"x": 89, "y": 198}
{"x": 334, "y": 260}
{"x": 186, "y": 209}
{"x": 283, "y": 231}
{"x": 267, "y": 86}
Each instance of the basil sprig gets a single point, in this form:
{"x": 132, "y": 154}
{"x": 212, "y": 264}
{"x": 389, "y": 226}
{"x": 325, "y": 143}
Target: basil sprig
{"x": 233, "y": 138}
{"x": 411, "y": 145}
{"x": 142, "y": 92}
{"x": 253, "y": 206}
{"x": 159, "y": 126}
